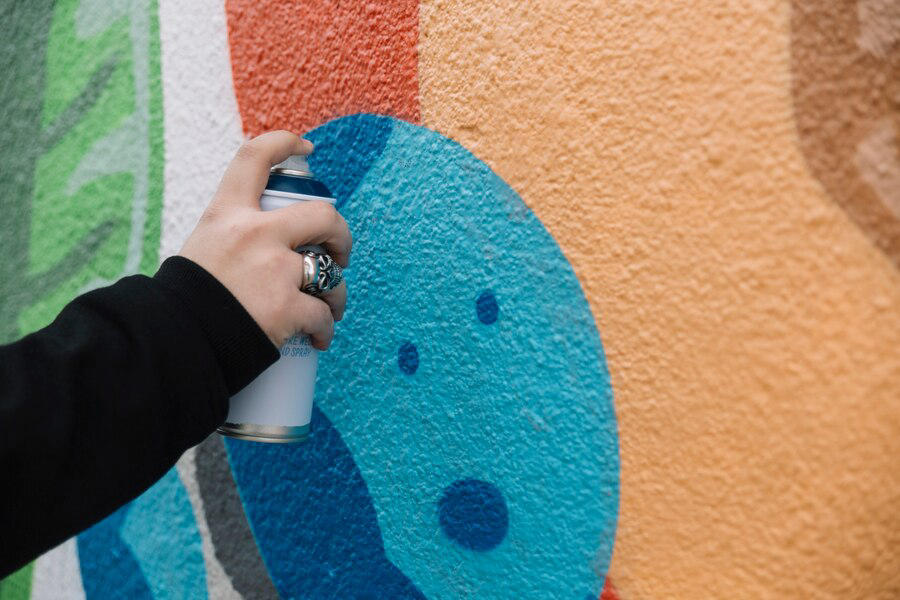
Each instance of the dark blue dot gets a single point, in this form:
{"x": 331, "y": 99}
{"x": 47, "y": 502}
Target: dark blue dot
{"x": 486, "y": 307}
{"x": 408, "y": 358}
{"x": 473, "y": 514}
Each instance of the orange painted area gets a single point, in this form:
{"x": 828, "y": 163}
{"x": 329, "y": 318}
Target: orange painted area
{"x": 751, "y": 328}
{"x": 297, "y": 65}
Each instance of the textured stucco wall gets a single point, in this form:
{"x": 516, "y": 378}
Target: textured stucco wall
{"x": 711, "y": 187}
{"x": 751, "y": 328}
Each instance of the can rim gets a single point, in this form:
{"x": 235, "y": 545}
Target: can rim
{"x": 274, "y": 434}
{"x": 295, "y": 172}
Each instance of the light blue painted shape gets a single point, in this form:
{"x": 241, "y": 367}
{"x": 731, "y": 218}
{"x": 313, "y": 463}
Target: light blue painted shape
{"x": 149, "y": 548}
{"x": 161, "y": 531}
{"x": 524, "y": 403}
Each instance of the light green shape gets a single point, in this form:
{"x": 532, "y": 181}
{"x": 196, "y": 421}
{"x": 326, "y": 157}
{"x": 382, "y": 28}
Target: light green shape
{"x": 18, "y": 585}
{"x": 107, "y": 168}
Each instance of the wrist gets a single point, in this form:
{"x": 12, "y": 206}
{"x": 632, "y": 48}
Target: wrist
{"x": 241, "y": 348}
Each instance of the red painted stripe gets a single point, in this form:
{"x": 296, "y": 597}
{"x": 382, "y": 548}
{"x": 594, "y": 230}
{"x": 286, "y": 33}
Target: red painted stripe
{"x": 296, "y": 65}
{"x": 609, "y": 592}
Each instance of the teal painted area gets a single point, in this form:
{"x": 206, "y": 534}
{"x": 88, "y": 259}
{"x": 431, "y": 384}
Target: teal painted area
{"x": 464, "y": 442}
{"x": 524, "y": 403}
{"x": 149, "y": 548}
{"x": 161, "y": 532}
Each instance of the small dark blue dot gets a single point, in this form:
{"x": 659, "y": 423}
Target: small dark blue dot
{"x": 473, "y": 514}
{"x": 408, "y": 358}
{"x": 486, "y": 307}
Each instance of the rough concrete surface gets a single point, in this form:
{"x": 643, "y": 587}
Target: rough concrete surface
{"x": 624, "y": 315}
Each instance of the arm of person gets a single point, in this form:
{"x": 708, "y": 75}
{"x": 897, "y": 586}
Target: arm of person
{"x": 97, "y": 406}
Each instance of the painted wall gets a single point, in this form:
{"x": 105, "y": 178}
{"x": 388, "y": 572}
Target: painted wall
{"x": 711, "y": 188}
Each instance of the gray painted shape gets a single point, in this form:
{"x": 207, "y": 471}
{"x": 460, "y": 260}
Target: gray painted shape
{"x": 232, "y": 538}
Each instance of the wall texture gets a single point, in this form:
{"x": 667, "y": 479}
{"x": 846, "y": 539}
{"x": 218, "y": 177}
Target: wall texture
{"x": 712, "y": 186}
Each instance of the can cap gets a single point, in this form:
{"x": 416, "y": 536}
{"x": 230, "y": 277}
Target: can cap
{"x": 295, "y": 164}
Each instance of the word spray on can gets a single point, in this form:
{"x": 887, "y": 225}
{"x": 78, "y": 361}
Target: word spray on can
{"x": 277, "y": 406}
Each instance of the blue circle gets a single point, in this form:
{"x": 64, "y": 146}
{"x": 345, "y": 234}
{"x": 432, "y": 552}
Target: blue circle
{"x": 486, "y": 307}
{"x": 408, "y": 358}
{"x": 431, "y": 202}
{"x": 473, "y": 514}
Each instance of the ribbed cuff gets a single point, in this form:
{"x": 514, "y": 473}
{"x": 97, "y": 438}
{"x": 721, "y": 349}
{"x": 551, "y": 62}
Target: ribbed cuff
{"x": 241, "y": 347}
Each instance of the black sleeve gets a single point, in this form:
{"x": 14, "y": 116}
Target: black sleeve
{"x": 98, "y": 405}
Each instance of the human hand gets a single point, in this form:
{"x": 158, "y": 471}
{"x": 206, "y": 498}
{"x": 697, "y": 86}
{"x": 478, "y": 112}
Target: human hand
{"x": 251, "y": 252}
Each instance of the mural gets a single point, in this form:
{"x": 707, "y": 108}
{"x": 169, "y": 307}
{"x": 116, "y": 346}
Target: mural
{"x": 338, "y": 516}
{"x": 711, "y": 187}
{"x": 443, "y": 383}
{"x": 846, "y": 59}
{"x": 87, "y": 105}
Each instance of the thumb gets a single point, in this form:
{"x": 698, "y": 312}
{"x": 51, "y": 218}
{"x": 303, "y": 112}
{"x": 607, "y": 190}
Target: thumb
{"x": 246, "y": 176}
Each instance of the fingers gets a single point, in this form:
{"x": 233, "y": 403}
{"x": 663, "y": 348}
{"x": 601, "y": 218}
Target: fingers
{"x": 314, "y": 224}
{"x": 246, "y": 175}
{"x": 336, "y": 300}
{"x": 313, "y": 317}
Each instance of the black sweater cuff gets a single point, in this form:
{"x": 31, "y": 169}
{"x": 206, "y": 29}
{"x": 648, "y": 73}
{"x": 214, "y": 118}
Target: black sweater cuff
{"x": 241, "y": 347}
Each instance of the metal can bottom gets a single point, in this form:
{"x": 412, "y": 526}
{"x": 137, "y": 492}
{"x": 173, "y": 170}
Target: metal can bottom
{"x": 272, "y": 434}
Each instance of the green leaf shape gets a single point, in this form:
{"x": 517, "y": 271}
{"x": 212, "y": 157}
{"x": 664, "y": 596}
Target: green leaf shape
{"x": 97, "y": 198}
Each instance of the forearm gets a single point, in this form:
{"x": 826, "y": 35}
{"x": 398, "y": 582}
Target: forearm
{"x": 97, "y": 406}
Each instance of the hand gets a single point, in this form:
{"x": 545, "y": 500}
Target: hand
{"x": 251, "y": 251}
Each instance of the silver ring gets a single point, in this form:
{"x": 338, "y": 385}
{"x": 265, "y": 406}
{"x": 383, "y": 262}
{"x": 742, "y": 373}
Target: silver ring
{"x": 320, "y": 273}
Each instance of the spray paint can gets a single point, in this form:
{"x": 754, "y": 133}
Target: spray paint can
{"x": 276, "y": 407}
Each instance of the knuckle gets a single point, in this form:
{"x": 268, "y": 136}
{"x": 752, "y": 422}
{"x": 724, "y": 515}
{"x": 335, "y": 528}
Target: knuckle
{"x": 232, "y": 228}
{"x": 323, "y": 315}
{"x": 235, "y": 233}
{"x": 284, "y": 306}
{"x": 349, "y": 240}
{"x": 323, "y": 211}
{"x": 339, "y": 221}
{"x": 289, "y": 263}
{"x": 247, "y": 229}
{"x": 249, "y": 151}
{"x": 210, "y": 215}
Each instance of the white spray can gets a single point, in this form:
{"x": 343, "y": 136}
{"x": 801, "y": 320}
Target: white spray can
{"x": 277, "y": 405}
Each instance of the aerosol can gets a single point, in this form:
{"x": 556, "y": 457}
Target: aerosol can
{"x": 276, "y": 407}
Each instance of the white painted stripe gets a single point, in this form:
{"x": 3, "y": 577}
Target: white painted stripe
{"x": 201, "y": 119}
{"x": 202, "y": 131}
{"x": 218, "y": 584}
{"x": 57, "y": 575}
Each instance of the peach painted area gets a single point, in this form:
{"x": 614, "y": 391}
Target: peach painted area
{"x": 297, "y": 65}
{"x": 752, "y": 329}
